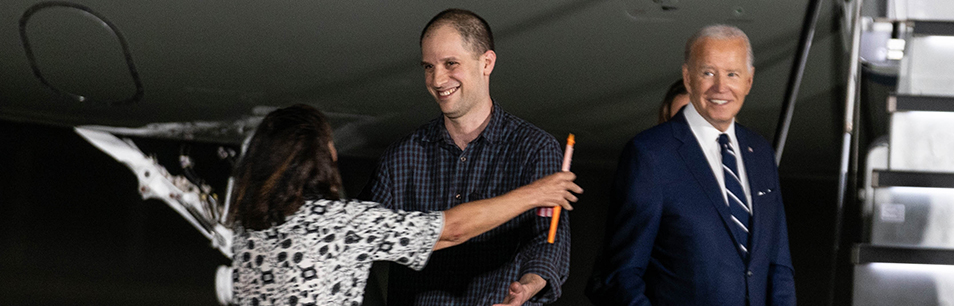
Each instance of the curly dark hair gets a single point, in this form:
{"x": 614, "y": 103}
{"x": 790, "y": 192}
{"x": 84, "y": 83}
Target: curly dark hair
{"x": 288, "y": 161}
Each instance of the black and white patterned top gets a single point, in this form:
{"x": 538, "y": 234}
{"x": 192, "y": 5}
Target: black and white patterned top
{"x": 322, "y": 254}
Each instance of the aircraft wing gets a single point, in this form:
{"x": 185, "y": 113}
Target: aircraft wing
{"x": 189, "y": 200}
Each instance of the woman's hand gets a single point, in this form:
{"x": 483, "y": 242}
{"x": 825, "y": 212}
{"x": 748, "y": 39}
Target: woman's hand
{"x": 552, "y": 190}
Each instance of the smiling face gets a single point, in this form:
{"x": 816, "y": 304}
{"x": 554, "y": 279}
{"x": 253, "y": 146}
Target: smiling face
{"x": 718, "y": 77}
{"x": 458, "y": 79}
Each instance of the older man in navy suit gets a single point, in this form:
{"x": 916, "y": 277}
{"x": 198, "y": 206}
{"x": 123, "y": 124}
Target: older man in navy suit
{"x": 697, "y": 216}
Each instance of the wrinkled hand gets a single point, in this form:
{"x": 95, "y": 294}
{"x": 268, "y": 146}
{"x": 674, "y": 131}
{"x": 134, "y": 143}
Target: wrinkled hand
{"x": 552, "y": 190}
{"x": 521, "y": 291}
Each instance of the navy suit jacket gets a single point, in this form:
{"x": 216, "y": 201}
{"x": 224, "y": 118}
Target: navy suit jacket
{"x": 669, "y": 240}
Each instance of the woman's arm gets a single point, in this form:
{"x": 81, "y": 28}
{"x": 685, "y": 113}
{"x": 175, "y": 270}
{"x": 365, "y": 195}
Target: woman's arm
{"x": 467, "y": 220}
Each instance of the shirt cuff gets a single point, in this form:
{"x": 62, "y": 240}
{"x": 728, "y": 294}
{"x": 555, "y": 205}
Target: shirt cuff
{"x": 553, "y": 288}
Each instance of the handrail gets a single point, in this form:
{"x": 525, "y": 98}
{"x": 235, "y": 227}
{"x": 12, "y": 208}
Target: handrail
{"x": 31, "y": 58}
{"x": 851, "y": 94}
{"x": 795, "y": 78}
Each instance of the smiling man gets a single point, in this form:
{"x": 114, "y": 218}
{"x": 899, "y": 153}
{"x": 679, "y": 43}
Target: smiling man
{"x": 474, "y": 150}
{"x": 697, "y": 215}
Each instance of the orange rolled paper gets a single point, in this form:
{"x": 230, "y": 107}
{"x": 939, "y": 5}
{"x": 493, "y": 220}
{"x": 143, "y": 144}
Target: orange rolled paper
{"x": 567, "y": 156}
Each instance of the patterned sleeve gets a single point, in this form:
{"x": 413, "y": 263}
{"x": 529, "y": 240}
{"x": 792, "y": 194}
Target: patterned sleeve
{"x": 403, "y": 237}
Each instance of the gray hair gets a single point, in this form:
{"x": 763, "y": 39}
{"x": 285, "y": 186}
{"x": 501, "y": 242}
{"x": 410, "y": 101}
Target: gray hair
{"x": 720, "y": 32}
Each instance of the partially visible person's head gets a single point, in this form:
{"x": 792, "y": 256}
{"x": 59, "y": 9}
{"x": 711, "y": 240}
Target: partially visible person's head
{"x": 676, "y": 98}
{"x": 457, "y": 56}
{"x": 290, "y": 159}
{"x": 718, "y": 73}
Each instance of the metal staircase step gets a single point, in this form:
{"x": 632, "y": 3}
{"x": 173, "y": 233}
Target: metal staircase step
{"x": 903, "y": 102}
{"x": 863, "y": 253}
{"x": 939, "y": 28}
{"x": 888, "y": 178}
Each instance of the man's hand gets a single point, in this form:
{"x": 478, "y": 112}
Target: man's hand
{"x": 521, "y": 291}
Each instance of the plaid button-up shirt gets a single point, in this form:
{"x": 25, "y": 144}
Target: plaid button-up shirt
{"x": 426, "y": 171}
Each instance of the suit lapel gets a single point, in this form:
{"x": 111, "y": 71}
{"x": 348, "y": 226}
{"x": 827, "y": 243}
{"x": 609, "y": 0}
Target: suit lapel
{"x": 695, "y": 160}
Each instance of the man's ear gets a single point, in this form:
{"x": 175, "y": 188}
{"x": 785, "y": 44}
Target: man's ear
{"x": 488, "y": 59}
{"x": 750, "y": 80}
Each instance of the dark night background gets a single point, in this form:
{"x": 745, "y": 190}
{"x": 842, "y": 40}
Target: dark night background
{"x": 74, "y": 230}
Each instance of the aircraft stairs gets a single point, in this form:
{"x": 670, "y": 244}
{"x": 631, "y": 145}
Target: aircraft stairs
{"x": 906, "y": 256}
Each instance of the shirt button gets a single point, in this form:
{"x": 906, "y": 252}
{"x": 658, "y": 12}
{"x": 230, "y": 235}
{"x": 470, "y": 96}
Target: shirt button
{"x": 463, "y": 158}
{"x": 748, "y": 273}
{"x": 457, "y": 196}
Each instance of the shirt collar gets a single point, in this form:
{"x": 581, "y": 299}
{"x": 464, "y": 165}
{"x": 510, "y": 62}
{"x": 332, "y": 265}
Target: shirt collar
{"x": 493, "y": 132}
{"x": 703, "y": 128}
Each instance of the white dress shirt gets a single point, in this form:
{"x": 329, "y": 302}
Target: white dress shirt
{"x": 708, "y": 138}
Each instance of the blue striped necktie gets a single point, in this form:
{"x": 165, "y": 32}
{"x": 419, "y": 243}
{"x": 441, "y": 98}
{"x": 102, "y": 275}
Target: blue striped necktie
{"x": 735, "y": 194}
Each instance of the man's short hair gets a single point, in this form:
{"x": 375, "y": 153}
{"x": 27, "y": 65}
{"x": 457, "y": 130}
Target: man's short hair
{"x": 720, "y": 32}
{"x": 472, "y": 29}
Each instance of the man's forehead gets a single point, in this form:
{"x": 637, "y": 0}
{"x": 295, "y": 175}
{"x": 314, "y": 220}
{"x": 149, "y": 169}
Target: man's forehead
{"x": 442, "y": 39}
{"x": 708, "y": 46}
{"x": 709, "y": 43}
{"x": 718, "y": 65}
{"x": 444, "y": 54}
{"x": 446, "y": 32}
{"x": 453, "y": 34}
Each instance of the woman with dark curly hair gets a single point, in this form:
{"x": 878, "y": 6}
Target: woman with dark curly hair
{"x": 298, "y": 242}
{"x": 676, "y": 98}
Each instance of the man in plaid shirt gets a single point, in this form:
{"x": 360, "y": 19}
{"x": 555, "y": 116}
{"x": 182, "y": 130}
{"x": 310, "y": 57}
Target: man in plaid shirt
{"x": 474, "y": 151}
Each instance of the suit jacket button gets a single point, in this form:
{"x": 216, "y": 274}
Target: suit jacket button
{"x": 748, "y": 273}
